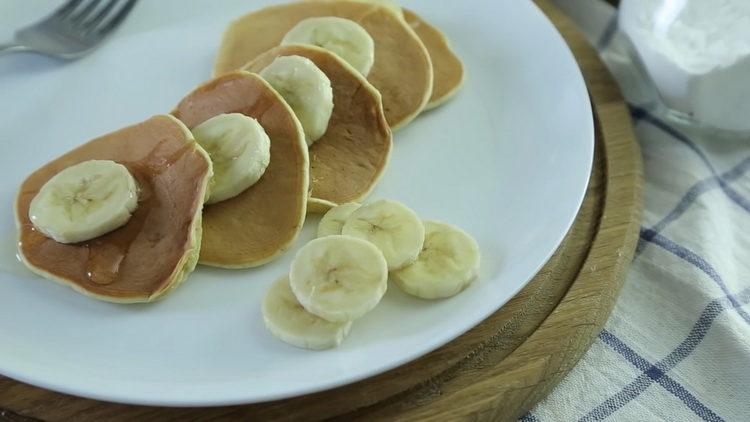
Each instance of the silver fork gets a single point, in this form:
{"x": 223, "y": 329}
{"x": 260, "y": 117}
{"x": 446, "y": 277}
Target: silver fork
{"x": 73, "y": 30}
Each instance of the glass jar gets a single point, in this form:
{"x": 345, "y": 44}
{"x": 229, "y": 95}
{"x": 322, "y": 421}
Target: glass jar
{"x": 696, "y": 54}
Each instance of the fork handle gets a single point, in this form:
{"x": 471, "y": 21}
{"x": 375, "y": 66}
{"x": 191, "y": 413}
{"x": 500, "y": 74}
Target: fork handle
{"x": 12, "y": 48}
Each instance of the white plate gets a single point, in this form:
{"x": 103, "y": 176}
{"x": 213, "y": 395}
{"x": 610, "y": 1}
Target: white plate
{"x": 508, "y": 160}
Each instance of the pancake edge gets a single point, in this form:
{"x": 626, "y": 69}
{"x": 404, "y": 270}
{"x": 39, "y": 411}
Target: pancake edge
{"x": 452, "y": 93}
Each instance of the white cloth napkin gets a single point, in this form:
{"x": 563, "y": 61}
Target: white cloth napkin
{"x": 677, "y": 345}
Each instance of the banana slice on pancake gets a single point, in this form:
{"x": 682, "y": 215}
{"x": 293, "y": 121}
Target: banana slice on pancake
{"x": 85, "y": 201}
{"x": 401, "y": 71}
{"x": 261, "y": 222}
{"x": 306, "y": 89}
{"x": 343, "y": 37}
{"x": 240, "y": 151}
{"x": 90, "y": 192}
{"x": 349, "y": 159}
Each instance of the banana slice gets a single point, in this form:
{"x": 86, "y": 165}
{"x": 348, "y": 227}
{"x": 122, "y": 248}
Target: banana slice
{"x": 333, "y": 221}
{"x": 344, "y": 37}
{"x": 239, "y": 149}
{"x": 339, "y": 278}
{"x": 391, "y": 226}
{"x": 85, "y": 201}
{"x": 286, "y": 319}
{"x": 306, "y": 89}
{"x": 448, "y": 263}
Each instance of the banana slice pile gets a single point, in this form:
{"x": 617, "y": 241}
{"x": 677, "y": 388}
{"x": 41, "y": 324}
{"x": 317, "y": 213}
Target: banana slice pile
{"x": 333, "y": 281}
{"x": 342, "y": 275}
{"x": 427, "y": 259}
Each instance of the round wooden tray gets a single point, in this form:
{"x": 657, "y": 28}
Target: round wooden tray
{"x": 502, "y": 367}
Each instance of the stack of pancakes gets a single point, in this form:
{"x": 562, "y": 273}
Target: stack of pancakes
{"x": 172, "y": 230}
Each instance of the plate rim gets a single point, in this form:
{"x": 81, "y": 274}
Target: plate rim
{"x": 198, "y": 399}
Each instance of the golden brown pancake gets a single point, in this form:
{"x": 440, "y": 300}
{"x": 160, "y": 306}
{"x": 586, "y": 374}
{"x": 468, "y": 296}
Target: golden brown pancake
{"x": 402, "y": 71}
{"x": 158, "y": 247}
{"x": 349, "y": 159}
{"x": 256, "y": 226}
{"x": 447, "y": 68}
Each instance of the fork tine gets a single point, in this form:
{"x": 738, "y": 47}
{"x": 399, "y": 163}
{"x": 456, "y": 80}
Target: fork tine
{"x": 86, "y": 11}
{"x": 103, "y": 12}
{"x": 66, "y": 9}
{"x": 117, "y": 19}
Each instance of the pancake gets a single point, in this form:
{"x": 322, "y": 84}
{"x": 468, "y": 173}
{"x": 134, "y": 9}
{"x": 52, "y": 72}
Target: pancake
{"x": 347, "y": 162}
{"x": 447, "y": 68}
{"x": 402, "y": 71}
{"x": 260, "y": 223}
{"x": 172, "y": 173}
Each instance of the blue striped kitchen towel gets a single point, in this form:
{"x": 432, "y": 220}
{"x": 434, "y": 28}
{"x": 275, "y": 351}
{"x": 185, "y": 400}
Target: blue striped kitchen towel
{"x": 677, "y": 345}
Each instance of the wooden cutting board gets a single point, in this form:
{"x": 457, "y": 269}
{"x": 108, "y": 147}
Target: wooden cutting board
{"x": 502, "y": 367}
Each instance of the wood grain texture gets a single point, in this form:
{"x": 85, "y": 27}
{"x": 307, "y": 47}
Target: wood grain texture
{"x": 497, "y": 370}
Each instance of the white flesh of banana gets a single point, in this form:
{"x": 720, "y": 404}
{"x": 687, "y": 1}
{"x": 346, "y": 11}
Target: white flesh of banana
{"x": 286, "y": 319}
{"x": 306, "y": 89}
{"x": 343, "y": 37}
{"x": 240, "y": 151}
{"x": 85, "y": 201}
{"x": 391, "y": 226}
{"x": 448, "y": 263}
{"x": 339, "y": 278}
{"x": 333, "y": 221}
